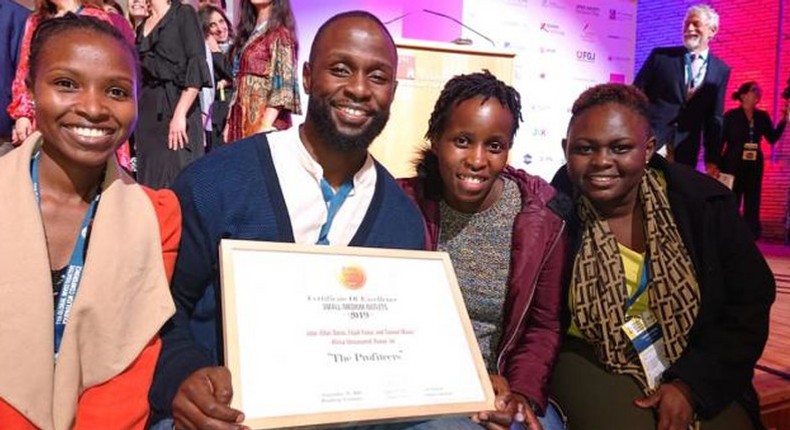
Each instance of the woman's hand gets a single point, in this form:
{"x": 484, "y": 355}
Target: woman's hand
{"x": 23, "y": 127}
{"x": 177, "y": 137}
{"x": 508, "y": 405}
{"x": 673, "y": 402}
{"x": 211, "y": 41}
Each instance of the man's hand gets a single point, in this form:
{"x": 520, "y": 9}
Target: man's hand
{"x": 673, "y": 402}
{"x": 202, "y": 402}
{"x": 507, "y": 404}
{"x": 712, "y": 169}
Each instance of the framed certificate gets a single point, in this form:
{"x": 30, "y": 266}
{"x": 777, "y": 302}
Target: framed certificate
{"x": 334, "y": 336}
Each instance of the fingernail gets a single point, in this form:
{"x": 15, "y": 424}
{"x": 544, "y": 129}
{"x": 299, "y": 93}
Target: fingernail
{"x": 240, "y": 418}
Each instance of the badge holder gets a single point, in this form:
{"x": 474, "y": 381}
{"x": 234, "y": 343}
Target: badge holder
{"x": 646, "y": 338}
{"x": 750, "y": 151}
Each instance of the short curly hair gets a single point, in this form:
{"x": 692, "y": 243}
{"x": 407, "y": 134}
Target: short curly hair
{"x": 625, "y": 95}
{"x": 464, "y": 87}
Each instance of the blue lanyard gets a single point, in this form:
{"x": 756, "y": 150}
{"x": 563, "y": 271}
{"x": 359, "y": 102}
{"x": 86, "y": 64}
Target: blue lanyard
{"x": 692, "y": 79}
{"x": 333, "y": 202}
{"x": 640, "y": 289}
{"x": 76, "y": 262}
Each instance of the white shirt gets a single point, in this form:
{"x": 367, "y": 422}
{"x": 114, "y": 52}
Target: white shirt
{"x": 702, "y": 60}
{"x": 300, "y": 177}
{"x": 207, "y": 94}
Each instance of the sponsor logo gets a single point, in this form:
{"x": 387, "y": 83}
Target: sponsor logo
{"x": 548, "y": 50}
{"x": 584, "y": 9}
{"x": 585, "y": 56}
{"x": 586, "y": 79}
{"x": 617, "y": 78}
{"x": 552, "y": 4}
{"x": 617, "y": 37}
{"x": 619, "y": 58}
{"x": 539, "y": 108}
{"x": 588, "y": 34}
{"x": 618, "y": 15}
{"x": 550, "y": 28}
{"x": 527, "y": 159}
{"x": 539, "y": 132}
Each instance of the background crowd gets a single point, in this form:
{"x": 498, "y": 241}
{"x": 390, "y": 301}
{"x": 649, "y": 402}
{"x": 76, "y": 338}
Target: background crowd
{"x": 248, "y": 75}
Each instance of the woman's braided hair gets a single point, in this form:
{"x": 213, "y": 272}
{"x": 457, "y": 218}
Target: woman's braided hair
{"x": 459, "y": 89}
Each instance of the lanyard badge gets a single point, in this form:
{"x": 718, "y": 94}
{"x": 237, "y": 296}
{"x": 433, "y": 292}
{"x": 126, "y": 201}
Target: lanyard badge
{"x": 73, "y": 273}
{"x": 750, "y": 151}
{"x": 644, "y": 332}
{"x": 750, "y": 148}
{"x": 646, "y": 338}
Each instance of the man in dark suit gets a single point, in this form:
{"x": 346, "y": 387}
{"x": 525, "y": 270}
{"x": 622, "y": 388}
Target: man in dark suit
{"x": 686, "y": 86}
{"x": 12, "y": 27}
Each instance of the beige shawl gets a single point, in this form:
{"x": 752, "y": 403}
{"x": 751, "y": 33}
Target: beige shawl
{"x": 122, "y": 302}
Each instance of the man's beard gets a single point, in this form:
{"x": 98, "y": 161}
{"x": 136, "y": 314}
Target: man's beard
{"x": 319, "y": 112}
{"x": 692, "y": 43}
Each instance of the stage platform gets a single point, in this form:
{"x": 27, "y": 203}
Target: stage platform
{"x": 772, "y": 376}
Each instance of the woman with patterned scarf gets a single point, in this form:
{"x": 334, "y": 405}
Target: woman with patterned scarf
{"x": 668, "y": 297}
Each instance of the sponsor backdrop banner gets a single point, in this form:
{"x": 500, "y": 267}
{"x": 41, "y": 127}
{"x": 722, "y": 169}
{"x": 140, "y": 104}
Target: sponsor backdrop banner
{"x": 562, "y": 48}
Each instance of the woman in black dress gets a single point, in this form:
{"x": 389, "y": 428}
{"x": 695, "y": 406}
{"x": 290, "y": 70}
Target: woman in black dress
{"x": 169, "y": 134}
{"x": 744, "y": 129}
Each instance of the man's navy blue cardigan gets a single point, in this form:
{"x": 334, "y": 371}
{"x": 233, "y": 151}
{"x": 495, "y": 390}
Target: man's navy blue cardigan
{"x": 234, "y": 193}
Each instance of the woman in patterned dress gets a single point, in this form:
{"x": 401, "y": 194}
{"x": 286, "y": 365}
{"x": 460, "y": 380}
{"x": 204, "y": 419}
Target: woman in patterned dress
{"x": 264, "y": 65}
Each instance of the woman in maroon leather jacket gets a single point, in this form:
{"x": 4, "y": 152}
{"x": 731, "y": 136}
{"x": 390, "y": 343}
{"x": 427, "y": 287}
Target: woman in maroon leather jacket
{"x": 504, "y": 234}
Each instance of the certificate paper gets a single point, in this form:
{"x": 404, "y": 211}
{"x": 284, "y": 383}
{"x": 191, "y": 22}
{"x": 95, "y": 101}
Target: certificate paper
{"x": 318, "y": 335}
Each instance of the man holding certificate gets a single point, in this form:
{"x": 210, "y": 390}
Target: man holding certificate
{"x": 313, "y": 184}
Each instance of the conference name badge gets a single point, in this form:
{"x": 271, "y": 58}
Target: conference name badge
{"x": 750, "y": 151}
{"x": 646, "y": 338}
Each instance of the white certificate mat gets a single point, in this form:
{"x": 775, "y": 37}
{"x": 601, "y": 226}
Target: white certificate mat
{"x": 320, "y": 335}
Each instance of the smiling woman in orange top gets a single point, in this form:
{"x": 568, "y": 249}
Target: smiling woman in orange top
{"x": 80, "y": 314}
